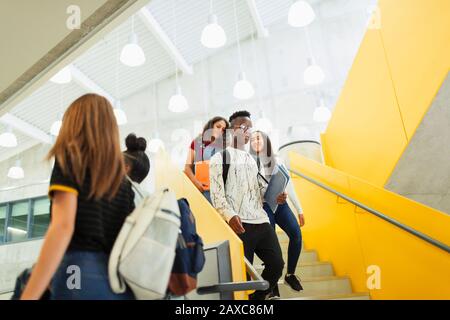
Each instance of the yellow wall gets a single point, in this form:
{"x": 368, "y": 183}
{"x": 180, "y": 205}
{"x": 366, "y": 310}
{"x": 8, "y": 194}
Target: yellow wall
{"x": 354, "y": 239}
{"x": 395, "y": 77}
{"x": 210, "y": 225}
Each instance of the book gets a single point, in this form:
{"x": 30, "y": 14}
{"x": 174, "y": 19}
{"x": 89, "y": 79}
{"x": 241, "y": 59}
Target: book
{"x": 276, "y": 185}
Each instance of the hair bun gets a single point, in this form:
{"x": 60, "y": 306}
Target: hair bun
{"x": 134, "y": 143}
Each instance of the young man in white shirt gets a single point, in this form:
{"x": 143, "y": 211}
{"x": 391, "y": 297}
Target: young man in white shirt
{"x": 238, "y": 196}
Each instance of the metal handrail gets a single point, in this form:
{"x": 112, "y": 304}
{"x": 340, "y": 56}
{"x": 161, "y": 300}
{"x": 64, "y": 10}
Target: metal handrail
{"x": 298, "y": 141}
{"x": 258, "y": 283}
{"x": 380, "y": 215}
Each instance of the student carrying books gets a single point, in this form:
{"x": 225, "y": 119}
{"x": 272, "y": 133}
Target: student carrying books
{"x": 261, "y": 150}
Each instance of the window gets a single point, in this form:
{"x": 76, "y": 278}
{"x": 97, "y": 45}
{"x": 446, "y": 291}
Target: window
{"x": 41, "y": 218}
{"x": 3, "y": 213}
{"x": 18, "y": 224}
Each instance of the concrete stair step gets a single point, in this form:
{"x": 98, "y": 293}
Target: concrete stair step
{"x": 306, "y": 256}
{"x": 317, "y": 287}
{"x": 6, "y": 296}
{"x": 284, "y": 244}
{"x": 351, "y": 296}
{"x": 308, "y": 270}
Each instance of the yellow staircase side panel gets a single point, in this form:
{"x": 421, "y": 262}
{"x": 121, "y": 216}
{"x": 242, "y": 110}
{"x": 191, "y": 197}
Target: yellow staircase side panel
{"x": 356, "y": 241}
{"x": 365, "y": 135}
{"x": 416, "y": 38}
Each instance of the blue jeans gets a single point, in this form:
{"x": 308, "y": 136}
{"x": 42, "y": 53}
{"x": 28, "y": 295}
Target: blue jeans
{"x": 92, "y": 269}
{"x": 285, "y": 218}
{"x": 207, "y": 195}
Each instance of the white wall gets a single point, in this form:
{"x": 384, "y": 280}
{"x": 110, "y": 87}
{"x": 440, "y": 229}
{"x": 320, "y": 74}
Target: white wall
{"x": 14, "y": 258}
{"x": 37, "y": 170}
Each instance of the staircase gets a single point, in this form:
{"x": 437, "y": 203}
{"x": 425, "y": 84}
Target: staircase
{"x": 317, "y": 278}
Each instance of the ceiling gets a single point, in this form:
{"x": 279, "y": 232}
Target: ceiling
{"x": 101, "y": 66}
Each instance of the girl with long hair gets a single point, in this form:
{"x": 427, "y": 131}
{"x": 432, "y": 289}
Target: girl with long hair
{"x": 202, "y": 148}
{"x": 90, "y": 199}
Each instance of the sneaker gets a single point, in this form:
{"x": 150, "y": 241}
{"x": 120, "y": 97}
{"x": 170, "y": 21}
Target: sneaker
{"x": 293, "y": 281}
{"x": 272, "y": 296}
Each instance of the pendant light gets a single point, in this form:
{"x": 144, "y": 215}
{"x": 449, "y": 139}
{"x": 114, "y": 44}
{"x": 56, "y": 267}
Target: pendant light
{"x": 264, "y": 124}
{"x": 132, "y": 54}
{"x": 155, "y": 144}
{"x": 8, "y": 139}
{"x": 301, "y": 14}
{"x": 213, "y": 35}
{"x": 313, "y": 74}
{"x": 322, "y": 114}
{"x": 243, "y": 89}
{"x": 63, "y": 76}
{"x": 120, "y": 115}
{"x": 56, "y": 126}
{"x": 16, "y": 171}
{"x": 177, "y": 102}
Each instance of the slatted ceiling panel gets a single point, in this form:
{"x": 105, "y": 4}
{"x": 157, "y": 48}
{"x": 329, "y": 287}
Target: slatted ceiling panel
{"x": 273, "y": 11}
{"x": 192, "y": 16}
{"x": 42, "y": 108}
{"x": 101, "y": 61}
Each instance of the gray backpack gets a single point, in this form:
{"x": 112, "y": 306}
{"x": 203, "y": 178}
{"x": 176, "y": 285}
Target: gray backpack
{"x": 144, "y": 251}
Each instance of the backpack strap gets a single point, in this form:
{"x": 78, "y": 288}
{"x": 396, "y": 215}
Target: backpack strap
{"x": 225, "y": 166}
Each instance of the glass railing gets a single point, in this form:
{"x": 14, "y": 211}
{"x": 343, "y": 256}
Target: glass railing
{"x": 24, "y": 220}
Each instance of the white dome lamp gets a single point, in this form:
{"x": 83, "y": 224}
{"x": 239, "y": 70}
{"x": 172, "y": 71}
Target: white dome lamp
{"x": 155, "y": 144}
{"x": 121, "y": 116}
{"x": 264, "y": 124}
{"x": 16, "y": 172}
{"x": 243, "y": 89}
{"x": 213, "y": 35}
{"x": 313, "y": 74}
{"x": 8, "y": 139}
{"x": 178, "y": 103}
{"x": 55, "y": 128}
{"x": 301, "y": 14}
{"x": 63, "y": 76}
{"x": 132, "y": 54}
{"x": 322, "y": 114}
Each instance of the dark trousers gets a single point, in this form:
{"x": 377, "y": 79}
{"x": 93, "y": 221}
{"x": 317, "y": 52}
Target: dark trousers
{"x": 285, "y": 218}
{"x": 262, "y": 240}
